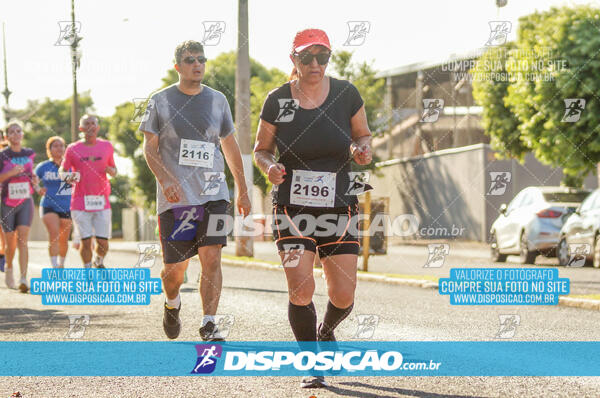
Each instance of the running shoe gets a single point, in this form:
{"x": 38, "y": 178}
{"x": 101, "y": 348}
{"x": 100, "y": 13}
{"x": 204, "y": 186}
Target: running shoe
{"x": 23, "y": 285}
{"x": 321, "y": 336}
{"x": 209, "y": 332}
{"x": 313, "y": 382}
{"x": 9, "y": 279}
{"x": 98, "y": 265}
{"x": 171, "y": 321}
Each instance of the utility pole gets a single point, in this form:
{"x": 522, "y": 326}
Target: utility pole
{"x": 6, "y": 91}
{"x": 244, "y": 245}
{"x": 418, "y": 148}
{"x": 75, "y": 64}
{"x": 389, "y": 113}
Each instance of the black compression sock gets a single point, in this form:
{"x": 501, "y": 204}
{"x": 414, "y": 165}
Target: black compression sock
{"x": 303, "y": 320}
{"x": 333, "y": 317}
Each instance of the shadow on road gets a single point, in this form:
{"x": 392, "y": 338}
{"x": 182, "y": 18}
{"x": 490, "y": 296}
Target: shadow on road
{"x": 26, "y": 320}
{"x": 395, "y": 391}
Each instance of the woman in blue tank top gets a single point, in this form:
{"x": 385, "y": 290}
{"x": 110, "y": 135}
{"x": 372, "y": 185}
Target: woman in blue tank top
{"x": 55, "y": 206}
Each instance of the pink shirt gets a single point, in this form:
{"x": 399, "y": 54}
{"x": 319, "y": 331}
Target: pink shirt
{"x": 91, "y": 162}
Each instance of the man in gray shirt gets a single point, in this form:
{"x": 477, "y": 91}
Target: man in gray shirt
{"x": 184, "y": 127}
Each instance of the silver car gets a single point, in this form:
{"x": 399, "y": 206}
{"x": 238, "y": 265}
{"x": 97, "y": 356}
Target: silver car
{"x": 579, "y": 237}
{"x": 531, "y": 223}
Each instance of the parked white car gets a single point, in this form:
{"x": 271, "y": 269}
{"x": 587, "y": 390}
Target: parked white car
{"x": 531, "y": 223}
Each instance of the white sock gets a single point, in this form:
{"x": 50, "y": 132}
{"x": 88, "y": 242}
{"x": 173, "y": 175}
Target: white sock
{"x": 99, "y": 260}
{"x": 87, "y": 265}
{"x": 208, "y": 318}
{"x": 54, "y": 261}
{"x": 61, "y": 261}
{"x": 173, "y": 303}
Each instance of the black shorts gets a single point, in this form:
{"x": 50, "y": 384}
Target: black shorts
{"x": 184, "y": 229}
{"x": 61, "y": 214}
{"x": 332, "y": 230}
{"x": 12, "y": 217}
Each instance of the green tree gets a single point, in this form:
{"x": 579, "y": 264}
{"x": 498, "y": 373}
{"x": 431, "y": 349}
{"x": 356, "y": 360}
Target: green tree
{"x": 123, "y": 131}
{"x": 362, "y": 75}
{"x": 498, "y": 119}
{"x": 554, "y": 60}
{"x": 49, "y": 117}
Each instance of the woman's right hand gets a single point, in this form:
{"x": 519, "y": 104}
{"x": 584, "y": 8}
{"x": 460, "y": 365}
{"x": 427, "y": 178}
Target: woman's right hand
{"x": 276, "y": 173}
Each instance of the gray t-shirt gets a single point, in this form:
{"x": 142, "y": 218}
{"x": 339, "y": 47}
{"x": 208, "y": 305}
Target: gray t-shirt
{"x": 189, "y": 129}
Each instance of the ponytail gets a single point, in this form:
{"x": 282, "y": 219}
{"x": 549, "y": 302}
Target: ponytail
{"x": 294, "y": 74}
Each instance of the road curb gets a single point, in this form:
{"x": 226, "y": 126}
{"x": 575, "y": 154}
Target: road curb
{"x": 422, "y": 283}
{"x": 587, "y": 304}
{"x": 573, "y": 302}
{"x": 582, "y": 303}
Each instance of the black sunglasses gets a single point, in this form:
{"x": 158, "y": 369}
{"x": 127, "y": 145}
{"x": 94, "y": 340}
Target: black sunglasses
{"x": 307, "y": 57}
{"x": 190, "y": 60}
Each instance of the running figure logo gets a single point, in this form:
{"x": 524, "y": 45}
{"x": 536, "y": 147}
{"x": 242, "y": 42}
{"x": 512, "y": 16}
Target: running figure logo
{"x": 141, "y": 109}
{"x": 578, "y": 254}
{"x": 64, "y": 189}
{"x": 66, "y": 37}
{"x": 207, "y": 358}
{"x": 77, "y": 325}
{"x": 499, "y": 31}
{"x": 573, "y": 109}
{"x": 185, "y": 227}
{"x": 437, "y": 255}
{"x": 499, "y": 182}
{"x": 147, "y": 254}
{"x": 432, "y": 108}
{"x": 359, "y": 183}
{"x": 367, "y": 323}
{"x": 224, "y": 324}
{"x": 508, "y": 326}
{"x": 357, "y": 33}
{"x": 291, "y": 254}
{"x": 212, "y": 182}
{"x": 287, "y": 109}
{"x": 212, "y": 32}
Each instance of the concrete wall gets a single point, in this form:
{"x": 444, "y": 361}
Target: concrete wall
{"x": 139, "y": 225}
{"x": 448, "y": 190}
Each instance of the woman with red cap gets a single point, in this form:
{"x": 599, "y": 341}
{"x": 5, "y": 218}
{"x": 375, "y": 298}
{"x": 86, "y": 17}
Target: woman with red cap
{"x": 318, "y": 125}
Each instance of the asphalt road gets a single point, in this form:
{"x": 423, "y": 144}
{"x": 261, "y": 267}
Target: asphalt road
{"x": 411, "y": 260}
{"x": 257, "y": 299}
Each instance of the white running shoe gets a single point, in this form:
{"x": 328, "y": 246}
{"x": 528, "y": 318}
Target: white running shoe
{"x": 9, "y": 279}
{"x": 23, "y": 285}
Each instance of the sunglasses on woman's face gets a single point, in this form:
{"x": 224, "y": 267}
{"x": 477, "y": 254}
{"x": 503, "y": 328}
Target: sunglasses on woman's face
{"x": 190, "y": 60}
{"x": 307, "y": 57}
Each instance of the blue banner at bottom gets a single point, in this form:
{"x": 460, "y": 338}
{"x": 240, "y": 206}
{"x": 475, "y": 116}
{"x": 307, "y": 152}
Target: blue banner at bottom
{"x": 279, "y": 358}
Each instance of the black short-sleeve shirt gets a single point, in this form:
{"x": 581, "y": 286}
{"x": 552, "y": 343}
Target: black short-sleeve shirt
{"x": 316, "y": 139}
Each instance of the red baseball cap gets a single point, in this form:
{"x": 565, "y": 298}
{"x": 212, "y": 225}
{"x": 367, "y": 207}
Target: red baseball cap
{"x": 310, "y": 37}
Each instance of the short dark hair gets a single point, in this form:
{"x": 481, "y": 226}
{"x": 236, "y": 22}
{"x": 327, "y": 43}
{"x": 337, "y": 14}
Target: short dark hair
{"x": 189, "y": 45}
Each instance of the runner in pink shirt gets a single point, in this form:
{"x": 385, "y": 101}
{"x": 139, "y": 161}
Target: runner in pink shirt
{"x": 90, "y": 161}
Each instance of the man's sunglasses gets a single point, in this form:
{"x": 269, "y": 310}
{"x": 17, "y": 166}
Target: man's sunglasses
{"x": 307, "y": 57}
{"x": 190, "y": 60}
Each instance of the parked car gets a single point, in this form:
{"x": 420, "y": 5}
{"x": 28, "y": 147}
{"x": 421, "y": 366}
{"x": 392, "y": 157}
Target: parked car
{"x": 531, "y": 223}
{"x": 580, "y": 233}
